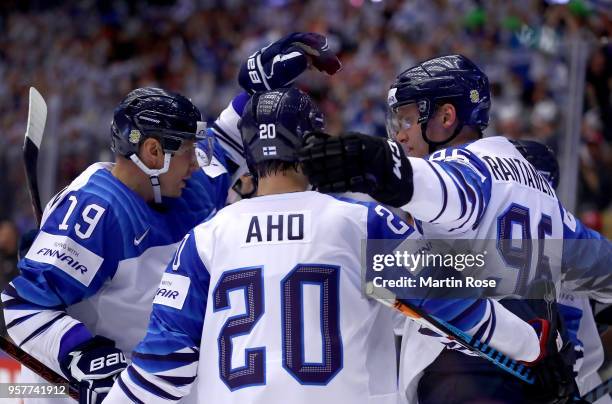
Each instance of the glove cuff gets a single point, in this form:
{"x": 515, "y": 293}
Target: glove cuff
{"x": 544, "y": 330}
{"x": 95, "y": 342}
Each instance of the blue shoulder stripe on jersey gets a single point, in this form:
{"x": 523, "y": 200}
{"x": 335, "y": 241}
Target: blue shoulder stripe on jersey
{"x": 20, "y": 320}
{"x": 178, "y": 380}
{"x": 131, "y": 212}
{"x": 473, "y": 171}
{"x": 127, "y": 391}
{"x": 42, "y": 328}
{"x": 382, "y": 223}
{"x": 461, "y": 194}
{"x": 444, "y": 193}
{"x": 463, "y": 189}
{"x": 138, "y": 379}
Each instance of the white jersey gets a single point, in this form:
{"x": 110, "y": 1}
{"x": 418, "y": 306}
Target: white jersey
{"x": 578, "y": 316}
{"x": 264, "y": 301}
{"x": 483, "y": 191}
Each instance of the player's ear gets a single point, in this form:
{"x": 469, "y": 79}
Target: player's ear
{"x": 151, "y": 153}
{"x": 449, "y": 115}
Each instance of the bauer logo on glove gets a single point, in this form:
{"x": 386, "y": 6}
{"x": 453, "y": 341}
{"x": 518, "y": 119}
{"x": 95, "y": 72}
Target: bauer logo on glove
{"x": 281, "y": 63}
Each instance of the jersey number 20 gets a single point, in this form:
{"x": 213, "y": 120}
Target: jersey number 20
{"x": 292, "y": 328}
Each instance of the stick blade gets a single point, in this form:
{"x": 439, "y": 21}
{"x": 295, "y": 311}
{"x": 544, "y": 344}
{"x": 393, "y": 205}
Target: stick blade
{"x": 37, "y": 117}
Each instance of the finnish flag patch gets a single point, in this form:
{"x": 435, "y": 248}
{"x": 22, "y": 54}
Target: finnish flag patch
{"x": 269, "y": 150}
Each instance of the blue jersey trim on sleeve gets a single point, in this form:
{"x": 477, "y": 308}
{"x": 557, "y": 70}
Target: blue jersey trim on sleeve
{"x": 139, "y": 380}
{"x": 381, "y": 222}
{"x": 43, "y": 327}
{"x": 128, "y": 392}
{"x": 444, "y": 192}
{"x": 239, "y": 102}
{"x": 174, "y": 334}
{"x": 473, "y": 177}
{"x": 75, "y": 336}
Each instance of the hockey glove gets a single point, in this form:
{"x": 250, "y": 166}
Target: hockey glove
{"x": 554, "y": 379}
{"x": 280, "y": 63}
{"x": 94, "y": 365}
{"x": 359, "y": 163}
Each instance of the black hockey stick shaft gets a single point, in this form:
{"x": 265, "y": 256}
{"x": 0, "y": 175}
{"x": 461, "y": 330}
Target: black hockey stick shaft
{"x": 37, "y": 116}
{"x": 35, "y": 128}
{"x": 30, "y": 161}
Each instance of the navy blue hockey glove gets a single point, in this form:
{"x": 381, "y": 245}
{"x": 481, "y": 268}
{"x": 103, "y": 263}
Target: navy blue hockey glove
{"x": 554, "y": 378}
{"x": 94, "y": 365}
{"x": 280, "y": 63}
{"x": 359, "y": 163}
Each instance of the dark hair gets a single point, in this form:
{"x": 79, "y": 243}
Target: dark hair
{"x": 272, "y": 167}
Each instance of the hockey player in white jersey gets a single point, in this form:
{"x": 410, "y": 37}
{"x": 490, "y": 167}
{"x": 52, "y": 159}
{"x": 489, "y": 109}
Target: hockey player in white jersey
{"x": 87, "y": 283}
{"x": 263, "y": 302}
{"x": 473, "y": 189}
{"x": 574, "y": 305}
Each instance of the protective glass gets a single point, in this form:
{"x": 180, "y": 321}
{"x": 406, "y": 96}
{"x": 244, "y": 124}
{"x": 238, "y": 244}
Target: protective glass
{"x": 398, "y": 120}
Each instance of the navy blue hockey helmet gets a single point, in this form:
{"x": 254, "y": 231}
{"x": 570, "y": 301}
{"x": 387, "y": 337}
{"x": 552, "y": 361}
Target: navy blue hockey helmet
{"x": 155, "y": 113}
{"x": 454, "y": 79}
{"x": 152, "y": 112}
{"x": 541, "y": 157}
{"x": 275, "y": 124}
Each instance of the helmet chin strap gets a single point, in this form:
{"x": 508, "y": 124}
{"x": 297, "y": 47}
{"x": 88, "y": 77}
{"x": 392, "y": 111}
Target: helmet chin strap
{"x": 433, "y": 145}
{"x": 153, "y": 173}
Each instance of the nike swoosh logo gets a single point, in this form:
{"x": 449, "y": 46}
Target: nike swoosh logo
{"x": 138, "y": 240}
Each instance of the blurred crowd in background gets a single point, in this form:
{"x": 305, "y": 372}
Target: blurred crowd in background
{"x": 87, "y": 55}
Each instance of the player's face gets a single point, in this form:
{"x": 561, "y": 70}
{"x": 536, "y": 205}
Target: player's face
{"x": 408, "y": 131}
{"x": 182, "y": 164}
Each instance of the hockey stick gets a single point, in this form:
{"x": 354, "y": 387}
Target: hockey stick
{"x": 36, "y": 366}
{"x": 445, "y": 329}
{"x": 37, "y": 117}
{"x": 598, "y": 392}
